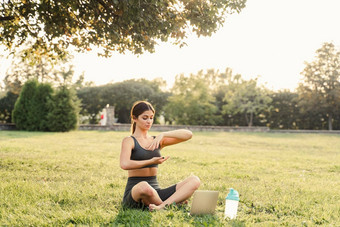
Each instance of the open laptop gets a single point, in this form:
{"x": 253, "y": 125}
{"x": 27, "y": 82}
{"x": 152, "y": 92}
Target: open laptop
{"x": 204, "y": 202}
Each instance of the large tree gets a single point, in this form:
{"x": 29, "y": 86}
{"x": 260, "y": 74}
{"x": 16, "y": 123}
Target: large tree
{"x": 320, "y": 89}
{"x": 121, "y": 95}
{"x": 111, "y": 25}
{"x": 284, "y": 113}
{"x": 192, "y": 101}
{"x": 91, "y": 103}
{"x": 245, "y": 97}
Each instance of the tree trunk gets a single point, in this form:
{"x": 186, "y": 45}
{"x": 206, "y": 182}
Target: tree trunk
{"x": 250, "y": 120}
{"x": 247, "y": 119}
{"x": 330, "y": 118}
{"x": 6, "y": 18}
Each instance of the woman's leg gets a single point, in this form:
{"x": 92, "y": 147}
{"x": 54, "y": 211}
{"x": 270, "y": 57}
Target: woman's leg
{"x": 145, "y": 193}
{"x": 184, "y": 190}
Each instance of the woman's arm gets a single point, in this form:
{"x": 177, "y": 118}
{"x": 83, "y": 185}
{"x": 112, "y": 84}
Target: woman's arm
{"x": 170, "y": 138}
{"x": 125, "y": 157}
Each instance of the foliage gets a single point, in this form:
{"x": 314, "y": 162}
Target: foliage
{"x": 135, "y": 25}
{"x": 245, "y": 97}
{"x": 6, "y": 107}
{"x": 205, "y": 98}
{"x": 192, "y": 102}
{"x": 23, "y": 105}
{"x": 61, "y": 179}
{"x": 22, "y": 70}
{"x": 63, "y": 111}
{"x": 221, "y": 86}
{"x": 91, "y": 103}
{"x": 228, "y": 119}
{"x": 31, "y": 108}
{"x": 43, "y": 69}
{"x": 284, "y": 113}
{"x": 38, "y": 109}
{"x": 122, "y": 95}
{"x": 320, "y": 89}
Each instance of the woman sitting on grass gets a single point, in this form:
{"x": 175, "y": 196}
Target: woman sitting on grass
{"x": 140, "y": 155}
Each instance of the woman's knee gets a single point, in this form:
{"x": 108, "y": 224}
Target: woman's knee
{"x": 195, "y": 182}
{"x": 144, "y": 189}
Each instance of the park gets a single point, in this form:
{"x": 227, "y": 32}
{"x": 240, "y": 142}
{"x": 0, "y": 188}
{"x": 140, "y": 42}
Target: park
{"x": 68, "y": 82}
{"x": 74, "y": 178}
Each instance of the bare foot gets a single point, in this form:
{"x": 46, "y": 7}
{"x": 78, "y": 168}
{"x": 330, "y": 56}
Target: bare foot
{"x": 185, "y": 202}
{"x": 153, "y": 207}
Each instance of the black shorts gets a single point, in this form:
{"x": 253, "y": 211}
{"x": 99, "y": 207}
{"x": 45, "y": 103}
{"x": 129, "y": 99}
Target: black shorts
{"x": 128, "y": 201}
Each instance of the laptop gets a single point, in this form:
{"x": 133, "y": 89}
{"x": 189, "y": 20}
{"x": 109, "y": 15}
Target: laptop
{"x": 204, "y": 202}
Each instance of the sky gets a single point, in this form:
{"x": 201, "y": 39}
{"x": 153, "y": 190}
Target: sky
{"x": 269, "y": 39}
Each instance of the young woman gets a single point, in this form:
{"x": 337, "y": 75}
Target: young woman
{"x": 140, "y": 156}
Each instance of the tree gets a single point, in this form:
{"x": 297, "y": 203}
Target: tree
{"x": 31, "y": 108}
{"x": 320, "y": 89}
{"x": 284, "y": 113}
{"x": 122, "y": 95}
{"x": 220, "y": 86}
{"x": 245, "y": 97}
{"x": 91, "y": 103}
{"x": 63, "y": 111}
{"x": 135, "y": 25}
{"x": 6, "y": 107}
{"x": 64, "y": 106}
{"x": 39, "y": 110}
{"x": 23, "y": 105}
{"x": 192, "y": 102}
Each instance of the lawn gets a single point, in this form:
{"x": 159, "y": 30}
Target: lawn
{"x": 74, "y": 178}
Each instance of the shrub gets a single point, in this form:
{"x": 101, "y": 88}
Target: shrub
{"x": 23, "y": 105}
{"x": 6, "y": 107}
{"x": 63, "y": 111}
{"x": 38, "y": 109}
{"x": 30, "y": 110}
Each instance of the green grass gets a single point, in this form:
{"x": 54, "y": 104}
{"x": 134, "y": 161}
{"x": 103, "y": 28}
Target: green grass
{"x": 74, "y": 179}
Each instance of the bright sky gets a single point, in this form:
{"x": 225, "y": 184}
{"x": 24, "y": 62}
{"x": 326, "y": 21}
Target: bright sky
{"x": 269, "y": 38}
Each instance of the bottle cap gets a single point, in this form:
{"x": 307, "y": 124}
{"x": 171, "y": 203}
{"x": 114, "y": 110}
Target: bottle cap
{"x": 233, "y": 195}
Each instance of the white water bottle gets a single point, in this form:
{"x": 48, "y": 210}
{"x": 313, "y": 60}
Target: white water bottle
{"x": 231, "y": 204}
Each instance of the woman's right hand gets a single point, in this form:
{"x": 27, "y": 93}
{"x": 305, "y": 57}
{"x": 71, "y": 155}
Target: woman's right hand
{"x": 159, "y": 160}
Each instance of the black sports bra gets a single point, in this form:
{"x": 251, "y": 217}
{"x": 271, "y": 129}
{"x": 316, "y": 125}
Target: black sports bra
{"x": 138, "y": 153}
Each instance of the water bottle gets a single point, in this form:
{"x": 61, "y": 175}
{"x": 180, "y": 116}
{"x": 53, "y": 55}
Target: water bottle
{"x": 231, "y": 204}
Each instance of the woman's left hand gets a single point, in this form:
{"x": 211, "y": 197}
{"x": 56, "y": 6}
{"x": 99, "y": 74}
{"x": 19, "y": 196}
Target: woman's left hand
{"x": 156, "y": 142}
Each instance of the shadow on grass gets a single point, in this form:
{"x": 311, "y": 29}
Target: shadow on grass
{"x": 132, "y": 217}
{"x": 182, "y": 212}
{"x": 178, "y": 214}
{"x": 212, "y": 220}
{"x": 205, "y": 220}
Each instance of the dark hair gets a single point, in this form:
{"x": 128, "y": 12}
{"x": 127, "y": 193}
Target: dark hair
{"x": 137, "y": 109}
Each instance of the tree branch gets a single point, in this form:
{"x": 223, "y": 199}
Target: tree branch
{"x": 6, "y": 18}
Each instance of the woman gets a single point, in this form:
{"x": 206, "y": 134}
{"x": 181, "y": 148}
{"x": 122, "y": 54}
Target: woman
{"x": 140, "y": 156}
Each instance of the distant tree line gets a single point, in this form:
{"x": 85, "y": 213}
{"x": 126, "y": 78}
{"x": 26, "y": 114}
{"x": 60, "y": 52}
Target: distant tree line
{"x": 40, "y": 108}
{"x": 221, "y": 98}
{"x": 40, "y": 96}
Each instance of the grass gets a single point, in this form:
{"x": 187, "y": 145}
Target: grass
{"x": 74, "y": 179}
